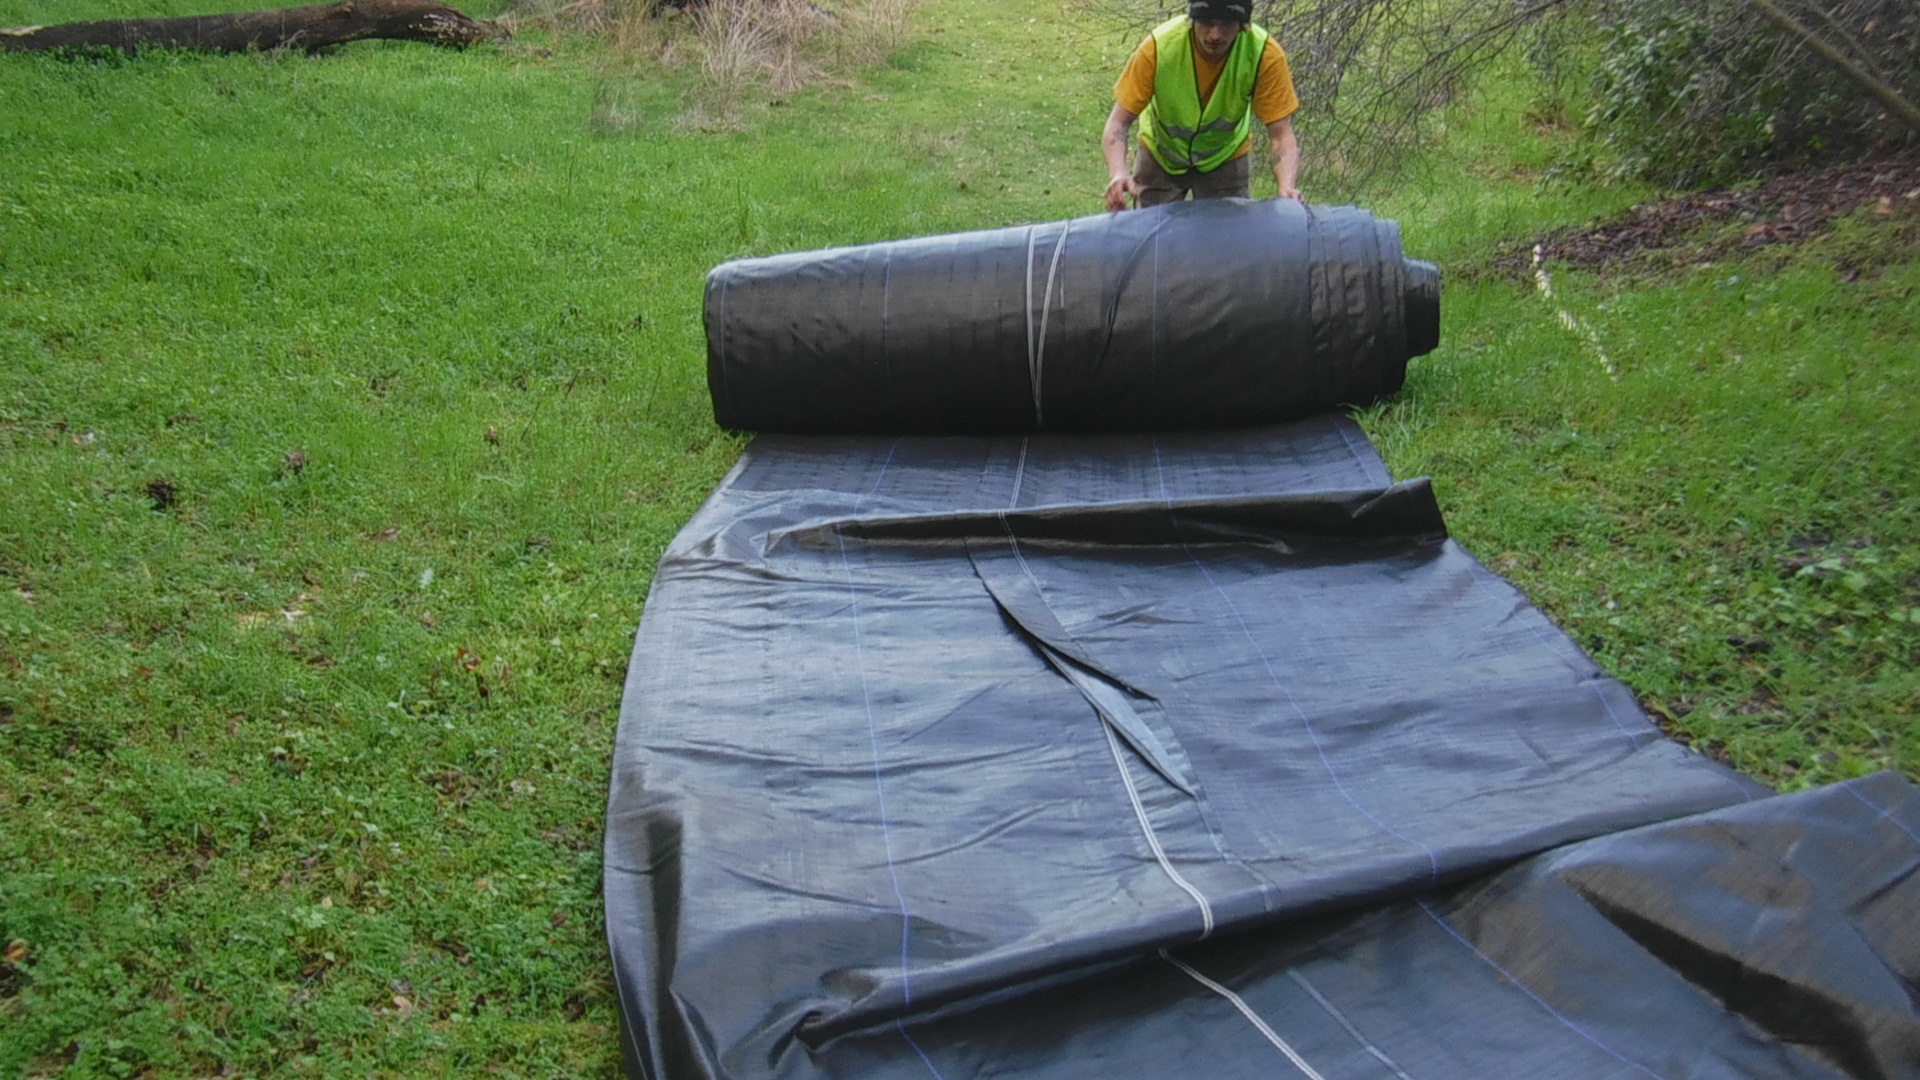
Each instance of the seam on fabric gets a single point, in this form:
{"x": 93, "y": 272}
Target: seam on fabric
{"x": 1126, "y": 778}
{"x": 1153, "y": 840}
{"x": 1198, "y": 792}
{"x": 1266, "y": 661}
{"x": 1214, "y": 837}
{"x": 1881, "y": 810}
{"x": 879, "y": 782}
{"x": 1369, "y": 462}
{"x": 1378, "y": 1054}
{"x": 1040, "y": 594}
{"x": 1121, "y": 716}
{"x": 1537, "y": 999}
{"x": 1246, "y": 1010}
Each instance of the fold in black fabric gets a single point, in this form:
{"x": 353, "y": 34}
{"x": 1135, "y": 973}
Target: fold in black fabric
{"x": 1773, "y": 939}
{"x": 1169, "y": 755}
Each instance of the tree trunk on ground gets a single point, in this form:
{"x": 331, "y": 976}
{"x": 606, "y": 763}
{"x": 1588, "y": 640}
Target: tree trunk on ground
{"x": 310, "y": 28}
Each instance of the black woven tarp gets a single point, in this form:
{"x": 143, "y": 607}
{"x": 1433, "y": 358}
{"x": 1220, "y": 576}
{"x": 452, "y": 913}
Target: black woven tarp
{"x": 1199, "y": 315}
{"x": 1194, "y": 755}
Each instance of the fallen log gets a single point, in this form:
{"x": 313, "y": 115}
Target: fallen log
{"x": 312, "y": 28}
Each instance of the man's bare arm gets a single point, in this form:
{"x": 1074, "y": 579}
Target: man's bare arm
{"x": 1113, "y": 144}
{"x": 1286, "y": 157}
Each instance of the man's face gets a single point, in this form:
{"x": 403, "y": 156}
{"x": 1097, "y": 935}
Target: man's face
{"x": 1214, "y": 37}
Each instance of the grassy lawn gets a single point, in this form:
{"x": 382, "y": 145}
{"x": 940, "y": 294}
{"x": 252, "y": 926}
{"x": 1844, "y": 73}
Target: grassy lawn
{"x": 347, "y": 402}
{"x": 1707, "y": 477}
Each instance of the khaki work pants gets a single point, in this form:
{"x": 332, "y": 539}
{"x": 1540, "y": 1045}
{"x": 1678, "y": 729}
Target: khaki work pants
{"x": 1157, "y": 185}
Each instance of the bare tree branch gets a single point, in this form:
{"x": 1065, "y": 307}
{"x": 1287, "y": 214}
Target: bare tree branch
{"x": 1854, "y": 73}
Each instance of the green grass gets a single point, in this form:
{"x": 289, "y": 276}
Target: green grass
{"x": 1727, "y": 518}
{"x": 347, "y": 402}
{"x": 1730, "y": 523}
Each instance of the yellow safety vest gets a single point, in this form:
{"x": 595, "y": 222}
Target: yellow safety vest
{"x": 1183, "y": 134}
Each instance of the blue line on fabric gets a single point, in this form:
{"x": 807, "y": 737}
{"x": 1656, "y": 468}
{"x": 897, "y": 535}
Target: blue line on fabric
{"x": 1537, "y": 999}
{"x": 1881, "y": 810}
{"x": 1370, "y": 463}
{"x": 1378, "y": 1054}
{"x": 1433, "y": 861}
{"x": 1632, "y": 740}
{"x": 901, "y": 1027}
{"x": 879, "y": 781}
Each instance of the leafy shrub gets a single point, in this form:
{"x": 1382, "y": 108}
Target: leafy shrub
{"x": 1691, "y": 91}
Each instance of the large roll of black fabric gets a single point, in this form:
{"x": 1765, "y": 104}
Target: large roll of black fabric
{"x": 1222, "y": 313}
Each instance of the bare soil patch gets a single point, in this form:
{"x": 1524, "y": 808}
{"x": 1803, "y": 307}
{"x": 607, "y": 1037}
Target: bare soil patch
{"x": 1710, "y": 225}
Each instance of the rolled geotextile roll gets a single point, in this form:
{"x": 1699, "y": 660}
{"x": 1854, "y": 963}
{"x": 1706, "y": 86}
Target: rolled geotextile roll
{"x": 1197, "y": 315}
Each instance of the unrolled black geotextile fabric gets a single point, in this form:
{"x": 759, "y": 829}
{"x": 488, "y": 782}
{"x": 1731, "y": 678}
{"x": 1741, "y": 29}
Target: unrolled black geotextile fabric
{"x": 1202, "y": 754}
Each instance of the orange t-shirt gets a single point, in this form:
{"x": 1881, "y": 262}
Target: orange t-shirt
{"x": 1273, "y": 96}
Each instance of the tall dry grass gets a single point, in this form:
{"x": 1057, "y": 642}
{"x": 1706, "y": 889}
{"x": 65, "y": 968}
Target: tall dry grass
{"x": 749, "y": 46}
{"x": 740, "y": 50}
{"x": 872, "y": 31}
{"x": 607, "y": 18}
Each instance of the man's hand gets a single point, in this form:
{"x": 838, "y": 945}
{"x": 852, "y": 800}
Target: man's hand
{"x": 1290, "y": 193}
{"x": 1113, "y": 146}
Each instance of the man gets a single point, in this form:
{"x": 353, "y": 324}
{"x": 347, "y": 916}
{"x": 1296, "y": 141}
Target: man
{"x": 1199, "y": 81}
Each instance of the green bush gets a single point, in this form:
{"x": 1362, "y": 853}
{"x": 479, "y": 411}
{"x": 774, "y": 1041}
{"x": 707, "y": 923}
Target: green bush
{"x": 1696, "y": 91}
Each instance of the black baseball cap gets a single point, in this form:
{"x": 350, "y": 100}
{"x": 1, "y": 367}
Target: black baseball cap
{"x": 1239, "y": 11}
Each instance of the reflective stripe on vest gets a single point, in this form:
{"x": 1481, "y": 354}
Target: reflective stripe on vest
{"x": 1182, "y": 133}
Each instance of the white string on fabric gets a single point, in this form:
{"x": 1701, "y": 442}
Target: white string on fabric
{"x": 1246, "y": 1010}
{"x": 1033, "y": 375}
{"x": 1153, "y": 840}
{"x": 1378, "y": 1054}
{"x": 1037, "y": 342}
